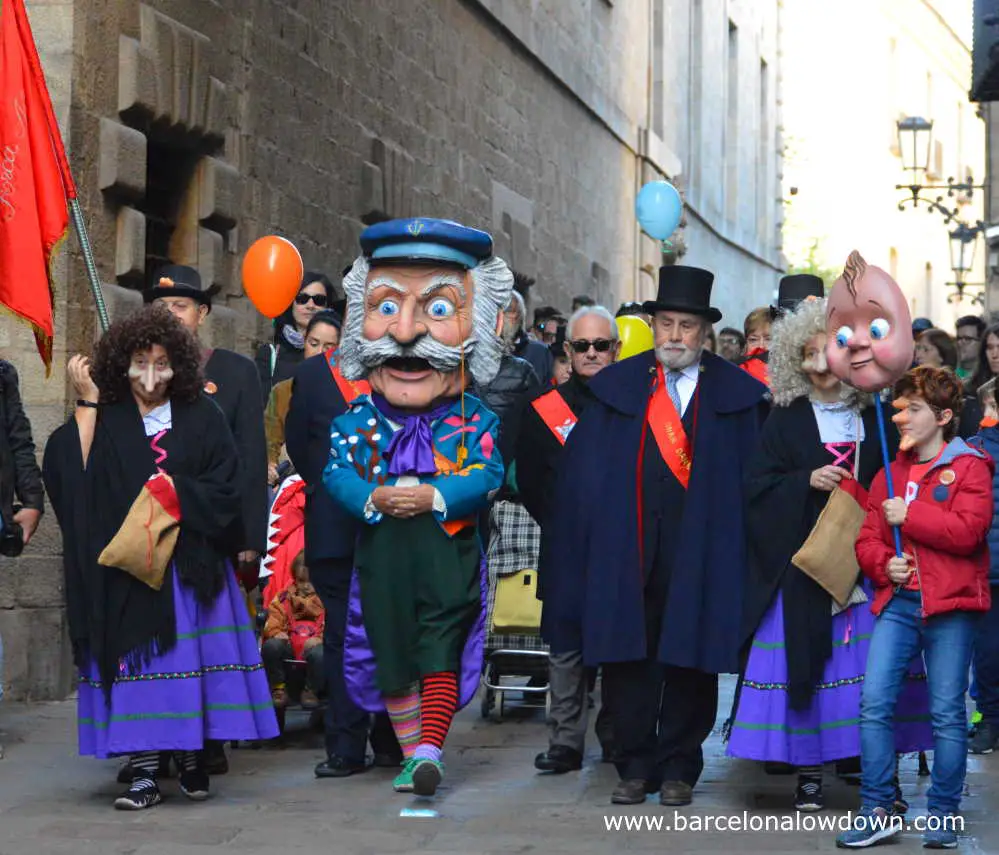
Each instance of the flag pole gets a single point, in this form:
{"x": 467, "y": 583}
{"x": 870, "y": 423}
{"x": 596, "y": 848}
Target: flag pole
{"x": 88, "y": 260}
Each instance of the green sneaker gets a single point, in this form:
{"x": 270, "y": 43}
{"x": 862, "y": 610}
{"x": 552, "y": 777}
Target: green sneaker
{"x": 403, "y": 782}
{"x": 427, "y": 775}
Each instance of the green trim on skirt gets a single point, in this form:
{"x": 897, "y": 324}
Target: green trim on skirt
{"x": 420, "y": 596}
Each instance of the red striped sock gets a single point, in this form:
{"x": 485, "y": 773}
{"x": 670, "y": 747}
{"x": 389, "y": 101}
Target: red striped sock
{"x": 438, "y": 704}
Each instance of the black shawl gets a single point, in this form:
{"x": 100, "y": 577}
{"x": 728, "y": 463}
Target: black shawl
{"x": 782, "y": 509}
{"x": 112, "y": 616}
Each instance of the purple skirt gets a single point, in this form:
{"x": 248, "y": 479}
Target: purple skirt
{"x": 766, "y": 728}
{"x": 211, "y": 685}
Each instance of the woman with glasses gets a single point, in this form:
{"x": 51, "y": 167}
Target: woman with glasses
{"x": 988, "y": 367}
{"x": 277, "y": 361}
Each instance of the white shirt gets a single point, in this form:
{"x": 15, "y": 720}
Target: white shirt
{"x": 837, "y": 422}
{"x": 686, "y": 384}
{"x": 158, "y": 420}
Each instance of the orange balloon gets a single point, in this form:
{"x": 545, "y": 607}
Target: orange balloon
{"x": 272, "y": 274}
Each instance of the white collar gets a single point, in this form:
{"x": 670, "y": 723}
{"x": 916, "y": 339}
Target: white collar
{"x": 690, "y": 372}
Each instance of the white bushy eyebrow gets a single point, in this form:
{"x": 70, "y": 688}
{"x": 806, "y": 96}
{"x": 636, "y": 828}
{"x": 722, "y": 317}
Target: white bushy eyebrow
{"x": 445, "y": 280}
{"x": 386, "y": 282}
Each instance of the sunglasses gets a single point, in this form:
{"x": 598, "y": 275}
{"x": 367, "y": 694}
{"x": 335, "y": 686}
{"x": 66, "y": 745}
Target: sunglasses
{"x": 600, "y": 345}
{"x": 318, "y": 299}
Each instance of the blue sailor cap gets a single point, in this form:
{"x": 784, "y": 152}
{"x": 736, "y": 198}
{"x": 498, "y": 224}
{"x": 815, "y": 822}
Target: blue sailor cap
{"x": 423, "y": 239}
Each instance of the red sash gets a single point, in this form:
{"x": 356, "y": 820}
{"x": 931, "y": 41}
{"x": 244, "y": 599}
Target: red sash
{"x": 556, "y": 415}
{"x": 350, "y": 389}
{"x": 668, "y": 430}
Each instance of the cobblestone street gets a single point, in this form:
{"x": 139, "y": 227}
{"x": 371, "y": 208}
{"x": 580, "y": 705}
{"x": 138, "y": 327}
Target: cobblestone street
{"x": 52, "y": 801}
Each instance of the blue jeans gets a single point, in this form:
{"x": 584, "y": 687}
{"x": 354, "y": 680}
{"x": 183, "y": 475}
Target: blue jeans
{"x": 946, "y": 643}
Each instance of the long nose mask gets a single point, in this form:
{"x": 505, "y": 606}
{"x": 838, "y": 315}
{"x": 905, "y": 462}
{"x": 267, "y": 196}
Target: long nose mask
{"x": 150, "y": 376}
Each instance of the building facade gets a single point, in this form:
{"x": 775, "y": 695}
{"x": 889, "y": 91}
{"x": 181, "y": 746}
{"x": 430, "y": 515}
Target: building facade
{"x": 851, "y": 71}
{"x": 194, "y": 128}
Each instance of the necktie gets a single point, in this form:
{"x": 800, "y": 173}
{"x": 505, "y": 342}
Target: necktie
{"x": 672, "y": 378}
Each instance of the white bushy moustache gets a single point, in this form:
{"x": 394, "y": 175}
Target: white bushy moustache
{"x": 676, "y": 357}
{"x": 441, "y": 357}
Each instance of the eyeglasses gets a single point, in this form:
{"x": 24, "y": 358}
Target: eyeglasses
{"x": 582, "y": 345}
{"x": 318, "y": 299}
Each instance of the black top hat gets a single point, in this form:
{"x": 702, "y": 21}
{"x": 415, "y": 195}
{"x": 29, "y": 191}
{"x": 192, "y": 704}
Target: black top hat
{"x": 684, "y": 289}
{"x": 178, "y": 280}
{"x": 797, "y": 288}
{"x": 557, "y": 347}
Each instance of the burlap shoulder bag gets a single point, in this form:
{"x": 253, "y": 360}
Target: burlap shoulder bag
{"x": 144, "y": 545}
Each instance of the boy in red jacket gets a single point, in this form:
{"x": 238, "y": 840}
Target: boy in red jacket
{"x": 928, "y": 600}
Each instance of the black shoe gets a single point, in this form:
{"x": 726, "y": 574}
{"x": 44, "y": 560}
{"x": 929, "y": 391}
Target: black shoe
{"x": 388, "y": 761}
{"x": 216, "y": 763}
{"x": 141, "y": 795}
{"x": 675, "y": 794}
{"x": 808, "y": 797}
{"x": 900, "y": 806}
{"x": 849, "y": 769}
{"x": 559, "y": 759}
{"x": 339, "y": 767}
{"x": 194, "y": 785}
{"x": 985, "y": 739}
{"x": 630, "y": 791}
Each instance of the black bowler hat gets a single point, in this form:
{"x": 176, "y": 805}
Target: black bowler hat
{"x": 797, "y": 288}
{"x": 684, "y": 289}
{"x": 178, "y": 280}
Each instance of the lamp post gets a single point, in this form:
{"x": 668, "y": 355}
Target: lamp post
{"x": 963, "y": 243}
{"x": 915, "y": 143}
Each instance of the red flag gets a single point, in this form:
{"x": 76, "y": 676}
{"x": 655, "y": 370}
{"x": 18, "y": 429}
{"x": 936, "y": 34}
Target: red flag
{"x": 35, "y": 181}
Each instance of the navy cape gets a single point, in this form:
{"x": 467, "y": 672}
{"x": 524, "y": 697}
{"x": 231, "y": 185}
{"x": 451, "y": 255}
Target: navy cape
{"x": 593, "y": 578}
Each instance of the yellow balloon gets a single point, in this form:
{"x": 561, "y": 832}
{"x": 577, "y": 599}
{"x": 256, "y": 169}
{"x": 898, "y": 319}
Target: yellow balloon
{"x": 635, "y": 335}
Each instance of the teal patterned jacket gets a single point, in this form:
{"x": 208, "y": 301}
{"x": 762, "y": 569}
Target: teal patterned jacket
{"x": 466, "y": 451}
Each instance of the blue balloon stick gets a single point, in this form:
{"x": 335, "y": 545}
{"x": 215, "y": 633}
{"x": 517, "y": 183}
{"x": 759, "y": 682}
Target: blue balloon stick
{"x": 887, "y": 461}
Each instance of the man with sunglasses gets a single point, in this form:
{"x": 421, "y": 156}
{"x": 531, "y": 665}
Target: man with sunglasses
{"x": 591, "y": 345}
{"x": 645, "y": 549}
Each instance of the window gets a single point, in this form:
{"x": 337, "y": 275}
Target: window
{"x": 696, "y": 91}
{"x": 658, "y": 93}
{"x": 763, "y": 156}
{"x": 732, "y": 125}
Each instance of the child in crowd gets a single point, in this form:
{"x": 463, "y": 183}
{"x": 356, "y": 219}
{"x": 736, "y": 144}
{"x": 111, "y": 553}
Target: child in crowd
{"x": 986, "y": 655}
{"x": 294, "y": 630}
{"x": 930, "y": 599}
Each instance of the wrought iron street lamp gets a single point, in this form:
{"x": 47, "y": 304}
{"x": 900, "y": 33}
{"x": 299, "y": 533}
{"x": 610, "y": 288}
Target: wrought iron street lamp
{"x": 915, "y": 143}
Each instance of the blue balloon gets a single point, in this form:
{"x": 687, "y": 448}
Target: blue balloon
{"x": 658, "y": 209}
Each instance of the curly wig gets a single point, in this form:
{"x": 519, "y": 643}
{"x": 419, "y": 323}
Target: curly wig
{"x": 788, "y": 380}
{"x": 140, "y": 331}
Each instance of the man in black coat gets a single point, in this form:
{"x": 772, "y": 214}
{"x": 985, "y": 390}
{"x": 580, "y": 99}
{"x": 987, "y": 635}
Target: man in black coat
{"x": 521, "y": 345}
{"x": 592, "y": 344}
{"x": 20, "y": 477}
{"x": 319, "y": 395}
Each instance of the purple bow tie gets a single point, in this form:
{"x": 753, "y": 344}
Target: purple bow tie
{"x": 411, "y": 450}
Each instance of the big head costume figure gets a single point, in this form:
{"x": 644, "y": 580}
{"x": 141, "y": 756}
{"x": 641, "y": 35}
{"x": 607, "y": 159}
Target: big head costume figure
{"x": 415, "y": 462}
{"x": 424, "y": 309}
{"x": 868, "y": 326}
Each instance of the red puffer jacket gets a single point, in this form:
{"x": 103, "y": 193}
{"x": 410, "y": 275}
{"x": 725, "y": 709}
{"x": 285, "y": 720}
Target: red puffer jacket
{"x": 944, "y": 531}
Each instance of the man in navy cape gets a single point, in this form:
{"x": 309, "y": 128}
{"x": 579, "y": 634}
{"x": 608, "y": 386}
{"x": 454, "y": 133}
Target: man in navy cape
{"x": 646, "y": 564}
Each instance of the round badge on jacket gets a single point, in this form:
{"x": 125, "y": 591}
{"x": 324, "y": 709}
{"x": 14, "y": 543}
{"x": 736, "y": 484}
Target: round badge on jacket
{"x": 210, "y": 388}
{"x": 948, "y": 477}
